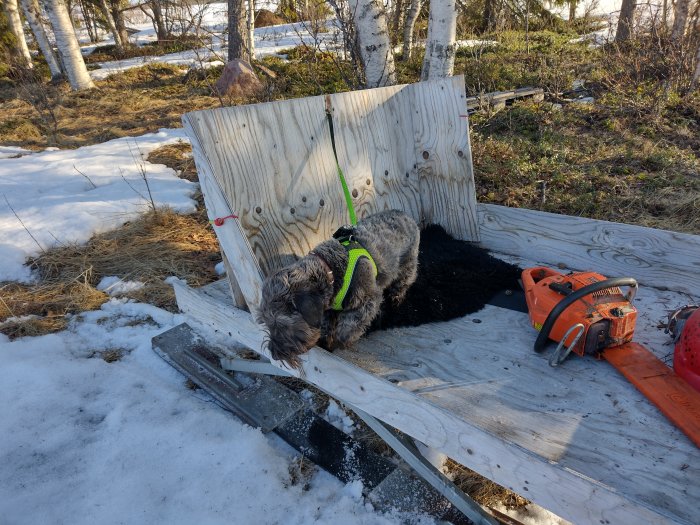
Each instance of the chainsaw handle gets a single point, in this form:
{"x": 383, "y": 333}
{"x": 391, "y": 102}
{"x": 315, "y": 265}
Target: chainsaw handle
{"x": 570, "y": 299}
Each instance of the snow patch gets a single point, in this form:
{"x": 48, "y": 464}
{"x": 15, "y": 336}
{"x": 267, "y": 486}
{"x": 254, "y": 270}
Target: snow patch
{"x": 337, "y": 417}
{"x": 127, "y": 442}
{"x": 13, "y": 151}
{"x": 354, "y": 489}
{"x": 115, "y": 286}
{"x": 62, "y": 197}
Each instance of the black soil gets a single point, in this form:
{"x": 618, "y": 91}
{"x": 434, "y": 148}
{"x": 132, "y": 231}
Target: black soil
{"x": 455, "y": 278}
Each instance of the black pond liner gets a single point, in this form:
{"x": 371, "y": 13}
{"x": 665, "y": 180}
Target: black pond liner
{"x": 455, "y": 278}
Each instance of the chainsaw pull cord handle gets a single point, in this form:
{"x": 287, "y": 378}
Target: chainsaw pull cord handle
{"x": 567, "y": 301}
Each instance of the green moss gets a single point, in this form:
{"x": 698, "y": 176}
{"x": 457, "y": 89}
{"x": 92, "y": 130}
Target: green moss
{"x": 307, "y": 72}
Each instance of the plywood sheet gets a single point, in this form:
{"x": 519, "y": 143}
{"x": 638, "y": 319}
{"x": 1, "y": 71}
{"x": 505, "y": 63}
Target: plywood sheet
{"x": 404, "y": 147}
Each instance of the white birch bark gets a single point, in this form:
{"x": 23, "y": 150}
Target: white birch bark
{"x": 439, "y": 61}
{"x": 32, "y": 13}
{"x": 17, "y": 28}
{"x": 410, "y": 23}
{"x": 67, "y": 44}
{"x": 680, "y": 19}
{"x": 376, "y": 54}
{"x": 104, "y": 9}
{"x": 250, "y": 22}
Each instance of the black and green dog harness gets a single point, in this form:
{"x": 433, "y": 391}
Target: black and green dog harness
{"x": 356, "y": 251}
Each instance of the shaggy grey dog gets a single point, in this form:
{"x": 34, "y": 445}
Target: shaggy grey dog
{"x": 297, "y": 301}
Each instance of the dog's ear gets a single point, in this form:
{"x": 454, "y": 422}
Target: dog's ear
{"x": 310, "y": 306}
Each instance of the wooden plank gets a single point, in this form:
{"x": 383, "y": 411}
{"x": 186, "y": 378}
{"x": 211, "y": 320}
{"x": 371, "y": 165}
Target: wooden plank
{"x": 274, "y": 163}
{"x": 582, "y": 416}
{"x": 552, "y": 484}
{"x": 443, "y": 157}
{"x": 246, "y": 271}
{"x": 376, "y": 150}
{"x": 498, "y": 98}
{"x": 236, "y": 292}
{"x": 658, "y": 258}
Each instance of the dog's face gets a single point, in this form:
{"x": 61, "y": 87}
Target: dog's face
{"x": 292, "y": 310}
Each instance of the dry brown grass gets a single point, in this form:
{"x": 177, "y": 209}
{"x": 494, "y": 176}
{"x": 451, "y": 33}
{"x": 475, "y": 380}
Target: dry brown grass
{"x": 135, "y": 102}
{"x": 177, "y": 156}
{"x": 29, "y": 310}
{"x": 153, "y": 247}
{"x": 481, "y": 489}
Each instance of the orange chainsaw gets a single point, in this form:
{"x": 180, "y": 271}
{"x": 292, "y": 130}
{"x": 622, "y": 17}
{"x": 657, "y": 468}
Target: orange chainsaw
{"x": 588, "y": 314}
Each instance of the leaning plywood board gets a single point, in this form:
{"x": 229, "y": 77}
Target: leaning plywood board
{"x": 658, "y": 258}
{"x": 403, "y": 147}
{"x": 478, "y": 393}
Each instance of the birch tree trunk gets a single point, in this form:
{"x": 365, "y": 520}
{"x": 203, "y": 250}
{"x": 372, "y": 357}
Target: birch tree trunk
{"x": 67, "y": 44}
{"x": 680, "y": 19}
{"x": 119, "y": 24}
{"x": 237, "y": 30}
{"x": 104, "y": 9}
{"x": 396, "y": 21}
{"x": 410, "y": 23}
{"x": 33, "y": 15}
{"x": 161, "y": 30}
{"x": 376, "y": 54}
{"x": 695, "y": 83}
{"x": 624, "y": 24}
{"x": 15, "y": 22}
{"x": 493, "y": 15}
{"x": 250, "y": 26}
{"x": 439, "y": 61}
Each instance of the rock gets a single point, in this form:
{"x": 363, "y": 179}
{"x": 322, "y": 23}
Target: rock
{"x": 238, "y": 80}
{"x": 264, "y": 18}
{"x": 584, "y": 100}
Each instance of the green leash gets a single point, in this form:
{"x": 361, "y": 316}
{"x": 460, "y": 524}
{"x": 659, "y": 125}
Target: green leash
{"x": 346, "y": 191}
{"x": 355, "y": 250}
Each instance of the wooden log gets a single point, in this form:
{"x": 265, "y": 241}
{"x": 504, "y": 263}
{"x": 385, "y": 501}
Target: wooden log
{"x": 658, "y": 258}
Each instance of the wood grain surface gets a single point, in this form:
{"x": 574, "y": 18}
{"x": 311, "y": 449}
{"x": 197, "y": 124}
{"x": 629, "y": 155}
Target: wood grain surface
{"x": 658, "y": 258}
{"x": 403, "y": 147}
{"x": 579, "y": 441}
